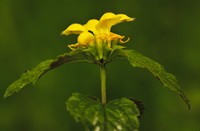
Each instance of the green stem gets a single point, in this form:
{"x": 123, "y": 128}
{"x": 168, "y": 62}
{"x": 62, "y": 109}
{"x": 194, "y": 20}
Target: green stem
{"x": 103, "y": 83}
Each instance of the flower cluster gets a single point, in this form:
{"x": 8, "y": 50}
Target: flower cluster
{"x": 96, "y": 32}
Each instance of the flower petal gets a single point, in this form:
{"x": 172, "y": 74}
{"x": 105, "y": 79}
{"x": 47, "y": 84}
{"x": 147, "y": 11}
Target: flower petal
{"x": 106, "y": 22}
{"x": 109, "y": 19}
{"x": 124, "y": 18}
{"x": 108, "y": 15}
{"x": 116, "y": 18}
{"x": 85, "y": 38}
{"x": 91, "y": 25}
{"x": 74, "y": 29}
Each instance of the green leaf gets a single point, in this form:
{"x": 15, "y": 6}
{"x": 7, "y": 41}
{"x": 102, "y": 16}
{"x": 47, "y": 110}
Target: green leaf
{"x": 31, "y": 76}
{"x": 117, "y": 115}
{"x": 138, "y": 60}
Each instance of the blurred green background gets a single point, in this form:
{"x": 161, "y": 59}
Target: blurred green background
{"x": 167, "y": 31}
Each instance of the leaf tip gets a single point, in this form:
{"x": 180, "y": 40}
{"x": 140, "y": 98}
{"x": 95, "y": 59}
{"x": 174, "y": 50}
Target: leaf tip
{"x": 6, "y": 94}
{"x": 186, "y": 100}
{"x": 139, "y": 105}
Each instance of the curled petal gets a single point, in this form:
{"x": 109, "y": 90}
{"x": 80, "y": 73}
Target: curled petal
{"x": 74, "y": 29}
{"x": 85, "y": 38}
{"x": 91, "y": 25}
{"x": 114, "y": 36}
{"x": 73, "y": 46}
{"x": 122, "y": 42}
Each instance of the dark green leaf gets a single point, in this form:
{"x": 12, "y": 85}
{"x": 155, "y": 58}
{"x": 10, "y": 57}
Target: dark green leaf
{"x": 28, "y": 77}
{"x": 31, "y": 76}
{"x": 138, "y": 60}
{"x": 117, "y": 115}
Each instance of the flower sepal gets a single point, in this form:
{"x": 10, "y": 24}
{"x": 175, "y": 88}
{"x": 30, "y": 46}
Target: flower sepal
{"x": 102, "y": 54}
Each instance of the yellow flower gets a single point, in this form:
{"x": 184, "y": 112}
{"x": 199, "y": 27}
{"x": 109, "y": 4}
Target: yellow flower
{"x": 97, "y": 31}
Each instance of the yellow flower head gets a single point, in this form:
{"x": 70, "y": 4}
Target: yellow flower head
{"x": 97, "y": 31}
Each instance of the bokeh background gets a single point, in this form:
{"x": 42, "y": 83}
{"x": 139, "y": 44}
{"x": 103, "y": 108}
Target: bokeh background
{"x": 167, "y": 31}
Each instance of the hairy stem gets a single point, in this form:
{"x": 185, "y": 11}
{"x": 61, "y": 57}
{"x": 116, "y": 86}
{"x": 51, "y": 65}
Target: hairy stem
{"x": 103, "y": 83}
